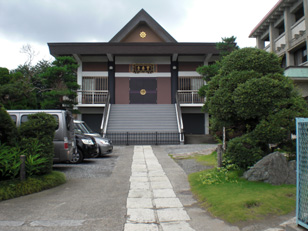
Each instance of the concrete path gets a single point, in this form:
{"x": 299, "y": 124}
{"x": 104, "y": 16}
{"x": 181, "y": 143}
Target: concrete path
{"x": 152, "y": 204}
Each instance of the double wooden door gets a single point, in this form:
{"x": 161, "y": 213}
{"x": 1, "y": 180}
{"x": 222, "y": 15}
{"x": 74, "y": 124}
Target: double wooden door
{"x": 143, "y": 91}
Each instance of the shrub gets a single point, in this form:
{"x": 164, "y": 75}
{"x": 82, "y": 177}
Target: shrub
{"x": 9, "y": 161}
{"x": 39, "y": 128}
{"x": 35, "y": 164}
{"x": 8, "y": 130}
{"x": 15, "y": 188}
{"x": 243, "y": 151}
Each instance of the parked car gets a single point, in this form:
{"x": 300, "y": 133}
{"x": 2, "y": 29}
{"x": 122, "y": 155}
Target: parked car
{"x": 64, "y": 144}
{"x": 104, "y": 144}
{"x": 86, "y": 148}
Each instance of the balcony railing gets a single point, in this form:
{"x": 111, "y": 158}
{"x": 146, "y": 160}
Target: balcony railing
{"x": 298, "y": 29}
{"x": 280, "y": 42}
{"x": 92, "y": 97}
{"x": 189, "y": 97}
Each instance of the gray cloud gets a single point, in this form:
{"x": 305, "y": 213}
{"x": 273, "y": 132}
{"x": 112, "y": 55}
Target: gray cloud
{"x": 45, "y": 21}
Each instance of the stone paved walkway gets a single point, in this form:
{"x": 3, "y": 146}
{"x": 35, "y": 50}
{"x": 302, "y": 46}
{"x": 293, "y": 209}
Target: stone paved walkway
{"x": 152, "y": 204}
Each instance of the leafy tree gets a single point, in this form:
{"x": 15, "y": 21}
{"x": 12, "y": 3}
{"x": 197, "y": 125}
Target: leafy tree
{"x": 8, "y": 130}
{"x": 16, "y": 92}
{"x": 59, "y": 83}
{"x": 225, "y": 47}
{"x": 33, "y": 75}
{"x": 252, "y": 98}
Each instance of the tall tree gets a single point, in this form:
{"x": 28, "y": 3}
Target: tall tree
{"x": 60, "y": 84}
{"x": 16, "y": 92}
{"x": 252, "y": 98}
{"x": 225, "y": 47}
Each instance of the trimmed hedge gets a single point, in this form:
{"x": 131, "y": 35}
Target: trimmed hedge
{"x": 16, "y": 188}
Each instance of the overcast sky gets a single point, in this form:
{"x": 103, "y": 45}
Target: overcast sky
{"x": 37, "y": 22}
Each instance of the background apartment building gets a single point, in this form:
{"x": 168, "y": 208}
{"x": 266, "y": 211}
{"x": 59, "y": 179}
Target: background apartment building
{"x": 283, "y": 31}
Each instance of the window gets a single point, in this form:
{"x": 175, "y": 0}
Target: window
{"x": 14, "y": 118}
{"x": 94, "y": 83}
{"x": 190, "y": 83}
{"x": 299, "y": 13}
{"x": 24, "y": 118}
{"x": 281, "y": 28}
{"x": 300, "y": 56}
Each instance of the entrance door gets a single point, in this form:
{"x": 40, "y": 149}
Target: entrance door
{"x": 143, "y": 91}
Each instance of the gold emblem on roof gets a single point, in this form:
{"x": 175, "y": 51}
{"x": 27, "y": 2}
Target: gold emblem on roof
{"x": 143, "y": 34}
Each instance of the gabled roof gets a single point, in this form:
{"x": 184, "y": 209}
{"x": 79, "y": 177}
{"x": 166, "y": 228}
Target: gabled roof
{"x": 143, "y": 18}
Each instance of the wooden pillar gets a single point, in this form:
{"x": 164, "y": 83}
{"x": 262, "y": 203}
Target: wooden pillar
{"x": 111, "y": 81}
{"x": 174, "y": 80}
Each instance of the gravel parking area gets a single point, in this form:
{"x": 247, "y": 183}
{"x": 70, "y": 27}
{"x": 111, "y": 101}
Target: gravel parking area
{"x": 89, "y": 168}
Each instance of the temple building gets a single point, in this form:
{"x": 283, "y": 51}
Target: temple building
{"x": 141, "y": 81}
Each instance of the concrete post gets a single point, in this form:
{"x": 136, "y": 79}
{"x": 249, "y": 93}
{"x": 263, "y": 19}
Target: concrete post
{"x": 289, "y": 20}
{"x": 273, "y": 35}
{"x": 260, "y": 43}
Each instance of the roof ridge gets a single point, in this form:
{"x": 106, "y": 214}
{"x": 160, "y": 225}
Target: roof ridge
{"x": 143, "y": 16}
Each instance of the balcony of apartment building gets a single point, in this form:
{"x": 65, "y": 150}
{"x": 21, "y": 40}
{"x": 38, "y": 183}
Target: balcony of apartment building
{"x": 286, "y": 33}
{"x": 94, "y": 91}
{"x": 188, "y": 88}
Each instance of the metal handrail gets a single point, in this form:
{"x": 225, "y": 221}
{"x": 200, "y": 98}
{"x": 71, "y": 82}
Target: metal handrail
{"x": 179, "y": 118}
{"x": 105, "y": 115}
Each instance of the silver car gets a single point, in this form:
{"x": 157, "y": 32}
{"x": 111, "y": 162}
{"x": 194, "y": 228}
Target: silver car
{"x": 105, "y": 145}
{"x": 64, "y": 140}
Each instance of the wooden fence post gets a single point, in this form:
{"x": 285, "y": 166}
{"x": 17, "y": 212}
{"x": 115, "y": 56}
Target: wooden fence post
{"x": 219, "y": 155}
{"x": 23, "y": 167}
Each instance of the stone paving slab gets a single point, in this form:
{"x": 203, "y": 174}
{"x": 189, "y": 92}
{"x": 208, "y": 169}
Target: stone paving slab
{"x": 139, "y": 193}
{"x": 176, "y": 226}
{"x": 139, "y": 179}
{"x": 172, "y": 214}
{"x": 161, "y": 185}
{"x": 141, "y": 215}
{"x": 159, "y": 178}
{"x": 140, "y": 227}
{"x": 164, "y": 193}
{"x": 139, "y": 185}
{"x": 136, "y": 203}
{"x": 167, "y": 203}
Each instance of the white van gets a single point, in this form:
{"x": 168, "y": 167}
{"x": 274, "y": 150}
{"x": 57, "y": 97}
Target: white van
{"x": 64, "y": 144}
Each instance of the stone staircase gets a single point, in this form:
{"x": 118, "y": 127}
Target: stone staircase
{"x": 143, "y": 124}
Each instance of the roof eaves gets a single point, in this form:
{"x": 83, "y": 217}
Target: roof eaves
{"x": 265, "y": 18}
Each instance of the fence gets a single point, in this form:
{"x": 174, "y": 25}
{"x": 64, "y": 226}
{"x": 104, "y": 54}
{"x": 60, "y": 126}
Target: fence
{"x": 302, "y": 172}
{"x": 144, "y": 138}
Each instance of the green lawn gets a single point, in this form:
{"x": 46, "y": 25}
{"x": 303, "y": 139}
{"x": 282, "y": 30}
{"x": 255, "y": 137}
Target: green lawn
{"x": 233, "y": 199}
{"x": 15, "y": 188}
{"x": 209, "y": 160}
